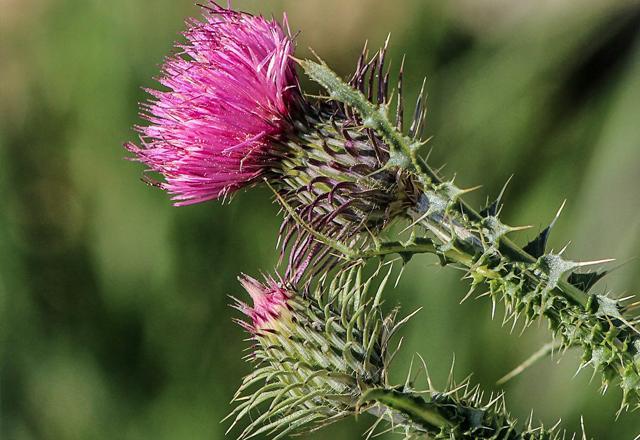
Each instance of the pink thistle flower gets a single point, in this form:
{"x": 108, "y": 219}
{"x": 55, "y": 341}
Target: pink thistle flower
{"x": 269, "y": 303}
{"x": 230, "y": 94}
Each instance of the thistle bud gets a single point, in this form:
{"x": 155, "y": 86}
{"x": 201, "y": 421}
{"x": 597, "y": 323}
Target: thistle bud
{"x": 315, "y": 352}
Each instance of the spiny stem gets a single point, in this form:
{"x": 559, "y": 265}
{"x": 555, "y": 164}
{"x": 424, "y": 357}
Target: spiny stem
{"x": 530, "y": 282}
{"x": 425, "y": 414}
{"x": 421, "y": 245}
{"x": 562, "y": 287}
{"x": 405, "y": 151}
{"x": 508, "y": 246}
{"x": 459, "y": 413}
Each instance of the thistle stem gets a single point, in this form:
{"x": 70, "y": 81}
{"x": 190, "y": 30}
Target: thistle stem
{"x": 404, "y": 155}
{"x": 449, "y": 415}
{"x": 423, "y": 413}
{"x": 564, "y": 288}
{"x": 530, "y": 284}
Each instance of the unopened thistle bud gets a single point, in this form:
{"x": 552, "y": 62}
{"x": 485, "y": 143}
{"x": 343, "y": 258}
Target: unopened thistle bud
{"x": 315, "y": 353}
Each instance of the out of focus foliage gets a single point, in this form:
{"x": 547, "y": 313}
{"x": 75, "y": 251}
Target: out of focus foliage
{"x": 114, "y": 320}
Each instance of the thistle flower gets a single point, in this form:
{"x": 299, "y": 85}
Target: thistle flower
{"x": 233, "y": 114}
{"x": 229, "y": 95}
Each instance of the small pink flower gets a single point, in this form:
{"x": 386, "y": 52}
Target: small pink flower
{"x": 230, "y": 93}
{"x": 269, "y": 302}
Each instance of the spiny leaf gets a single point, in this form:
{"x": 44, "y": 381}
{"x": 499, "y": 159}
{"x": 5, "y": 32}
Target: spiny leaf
{"x": 537, "y": 247}
{"x": 585, "y": 281}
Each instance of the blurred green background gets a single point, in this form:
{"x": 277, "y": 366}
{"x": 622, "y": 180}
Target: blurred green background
{"x": 114, "y": 320}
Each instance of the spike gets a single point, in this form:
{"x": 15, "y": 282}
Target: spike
{"x": 382, "y": 54}
{"x": 518, "y": 228}
{"x": 418, "y": 114}
{"x": 400, "y": 108}
{"x": 546, "y": 349}
{"x": 355, "y": 80}
{"x": 468, "y": 190}
{"x": 593, "y": 263}
{"x": 493, "y": 209}
{"x": 469, "y": 293}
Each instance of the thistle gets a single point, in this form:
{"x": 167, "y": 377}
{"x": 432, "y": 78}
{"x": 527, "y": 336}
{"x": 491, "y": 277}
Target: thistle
{"x": 233, "y": 116}
{"x": 340, "y": 185}
{"x": 323, "y": 354}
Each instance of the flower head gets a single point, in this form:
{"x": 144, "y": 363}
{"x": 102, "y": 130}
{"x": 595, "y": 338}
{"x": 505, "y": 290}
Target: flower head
{"x": 229, "y": 94}
{"x": 315, "y": 350}
{"x": 269, "y": 302}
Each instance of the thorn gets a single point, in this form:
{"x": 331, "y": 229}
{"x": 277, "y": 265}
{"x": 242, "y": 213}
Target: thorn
{"x": 553, "y": 222}
{"x": 462, "y": 192}
{"x": 469, "y": 293}
{"x": 408, "y": 379}
{"x": 400, "y": 107}
{"x": 317, "y": 56}
{"x": 493, "y": 308}
{"x": 546, "y": 349}
{"x": 518, "y": 228}
{"x": 417, "y": 115}
{"x": 593, "y": 263}
{"x": 450, "y": 378}
{"x": 426, "y": 372}
{"x": 422, "y": 217}
{"x": 497, "y": 399}
{"x": 626, "y": 298}
{"x": 298, "y": 60}
{"x": 493, "y": 209}
{"x": 629, "y": 325}
{"x": 504, "y": 189}
{"x": 399, "y": 276}
{"x": 564, "y": 248}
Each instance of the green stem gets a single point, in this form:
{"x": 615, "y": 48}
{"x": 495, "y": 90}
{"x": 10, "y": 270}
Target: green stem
{"x": 564, "y": 288}
{"x": 426, "y": 414}
{"x": 450, "y": 415}
{"x": 404, "y": 155}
